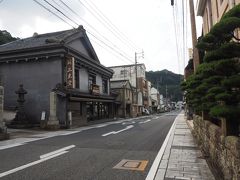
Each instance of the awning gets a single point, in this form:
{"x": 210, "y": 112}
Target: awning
{"x": 90, "y": 99}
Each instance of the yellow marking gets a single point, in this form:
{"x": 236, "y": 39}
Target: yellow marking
{"x": 137, "y": 165}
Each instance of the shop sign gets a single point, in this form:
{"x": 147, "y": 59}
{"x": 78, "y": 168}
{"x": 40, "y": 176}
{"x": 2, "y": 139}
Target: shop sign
{"x": 95, "y": 89}
{"x": 70, "y": 83}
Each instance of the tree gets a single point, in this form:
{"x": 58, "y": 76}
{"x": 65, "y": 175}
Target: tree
{"x": 6, "y": 37}
{"x": 215, "y": 87}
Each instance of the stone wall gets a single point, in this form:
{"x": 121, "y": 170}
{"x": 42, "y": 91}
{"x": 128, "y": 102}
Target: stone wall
{"x": 223, "y": 151}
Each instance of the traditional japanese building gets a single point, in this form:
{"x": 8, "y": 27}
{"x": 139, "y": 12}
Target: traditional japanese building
{"x": 125, "y": 97}
{"x": 64, "y": 62}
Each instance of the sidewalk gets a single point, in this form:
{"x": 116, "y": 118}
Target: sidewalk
{"x": 182, "y": 159}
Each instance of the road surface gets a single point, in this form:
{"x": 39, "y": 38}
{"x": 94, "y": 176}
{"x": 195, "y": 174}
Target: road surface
{"x": 119, "y": 150}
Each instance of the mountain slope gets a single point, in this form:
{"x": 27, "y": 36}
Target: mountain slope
{"x": 166, "y": 81}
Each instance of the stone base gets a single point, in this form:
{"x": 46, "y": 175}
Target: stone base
{"x": 4, "y": 136}
{"x": 52, "y": 125}
{"x": 19, "y": 126}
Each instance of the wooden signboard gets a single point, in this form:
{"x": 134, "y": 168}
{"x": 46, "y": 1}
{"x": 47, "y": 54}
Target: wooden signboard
{"x": 95, "y": 89}
{"x": 70, "y": 66}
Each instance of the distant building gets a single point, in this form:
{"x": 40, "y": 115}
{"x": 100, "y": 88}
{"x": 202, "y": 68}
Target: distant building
{"x": 128, "y": 72}
{"x": 64, "y": 62}
{"x": 125, "y": 97}
{"x": 155, "y": 96}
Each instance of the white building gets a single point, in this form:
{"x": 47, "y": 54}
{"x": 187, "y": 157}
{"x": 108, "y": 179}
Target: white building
{"x": 155, "y": 96}
{"x": 127, "y": 72}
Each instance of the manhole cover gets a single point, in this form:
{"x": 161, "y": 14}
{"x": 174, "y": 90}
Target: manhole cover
{"x": 138, "y": 165}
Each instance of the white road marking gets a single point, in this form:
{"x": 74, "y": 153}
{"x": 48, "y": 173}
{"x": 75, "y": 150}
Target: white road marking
{"x": 116, "y": 132}
{"x": 22, "y": 141}
{"x": 57, "y": 151}
{"x": 153, "y": 170}
{"x": 143, "y": 122}
{"x": 43, "y": 158}
{"x": 131, "y": 122}
{"x": 11, "y": 145}
{"x": 102, "y": 125}
{"x": 69, "y": 133}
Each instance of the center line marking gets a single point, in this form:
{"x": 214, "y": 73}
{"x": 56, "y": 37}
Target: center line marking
{"x": 43, "y": 158}
{"x": 143, "y": 122}
{"x": 131, "y": 122}
{"x": 57, "y": 151}
{"x": 116, "y": 132}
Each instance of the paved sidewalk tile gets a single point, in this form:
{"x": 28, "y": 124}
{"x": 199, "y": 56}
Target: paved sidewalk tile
{"x": 182, "y": 157}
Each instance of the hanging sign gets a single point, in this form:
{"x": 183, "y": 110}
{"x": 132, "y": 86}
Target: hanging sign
{"x": 70, "y": 66}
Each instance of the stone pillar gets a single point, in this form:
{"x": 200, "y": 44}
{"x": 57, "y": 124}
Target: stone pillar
{"x": 3, "y": 128}
{"x": 53, "y": 122}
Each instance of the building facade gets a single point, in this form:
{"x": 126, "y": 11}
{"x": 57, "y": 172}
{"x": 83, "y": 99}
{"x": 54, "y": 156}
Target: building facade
{"x": 64, "y": 62}
{"x": 125, "y": 97}
{"x": 212, "y": 11}
{"x": 136, "y": 79}
{"x": 155, "y": 96}
{"x": 128, "y": 72}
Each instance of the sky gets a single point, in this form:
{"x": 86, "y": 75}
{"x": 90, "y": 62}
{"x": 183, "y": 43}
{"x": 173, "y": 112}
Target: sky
{"x": 117, "y": 31}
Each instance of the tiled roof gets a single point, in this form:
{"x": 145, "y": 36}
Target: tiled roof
{"x": 40, "y": 40}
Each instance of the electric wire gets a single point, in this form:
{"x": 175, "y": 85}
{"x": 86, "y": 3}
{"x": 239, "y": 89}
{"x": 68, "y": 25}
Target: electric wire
{"x": 76, "y": 24}
{"x": 61, "y": 12}
{"x": 116, "y": 55}
{"x": 109, "y": 22}
{"x": 176, "y": 39}
{"x": 102, "y": 22}
{"x": 95, "y": 30}
{"x": 53, "y": 13}
{"x": 183, "y": 31}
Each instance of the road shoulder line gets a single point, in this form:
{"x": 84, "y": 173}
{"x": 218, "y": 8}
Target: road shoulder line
{"x": 154, "y": 167}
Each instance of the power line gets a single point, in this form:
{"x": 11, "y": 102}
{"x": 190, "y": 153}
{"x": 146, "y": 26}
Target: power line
{"x": 61, "y": 13}
{"x": 176, "y": 39}
{"x": 108, "y": 21}
{"x": 74, "y": 23}
{"x": 183, "y": 19}
{"x": 109, "y": 46}
{"x": 96, "y": 31}
{"x": 106, "y": 25}
{"x": 99, "y": 44}
{"x": 53, "y": 13}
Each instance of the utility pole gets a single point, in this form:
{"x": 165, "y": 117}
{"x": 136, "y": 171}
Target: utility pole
{"x": 136, "y": 57}
{"x": 136, "y": 78}
{"x": 194, "y": 36}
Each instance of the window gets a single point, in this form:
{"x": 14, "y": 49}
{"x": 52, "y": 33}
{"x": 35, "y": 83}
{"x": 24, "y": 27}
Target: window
{"x": 105, "y": 86}
{"x": 91, "y": 80}
{"x": 76, "y": 78}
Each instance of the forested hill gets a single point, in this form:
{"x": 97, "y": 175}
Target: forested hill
{"x": 6, "y": 37}
{"x": 166, "y": 80}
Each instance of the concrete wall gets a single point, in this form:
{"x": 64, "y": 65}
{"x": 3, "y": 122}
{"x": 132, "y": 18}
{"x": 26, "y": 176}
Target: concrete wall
{"x": 223, "y": 152}
{"x": 37, "y": 77}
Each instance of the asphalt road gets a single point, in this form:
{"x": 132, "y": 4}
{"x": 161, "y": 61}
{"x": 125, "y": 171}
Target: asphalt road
{"x": 90, "y": 154}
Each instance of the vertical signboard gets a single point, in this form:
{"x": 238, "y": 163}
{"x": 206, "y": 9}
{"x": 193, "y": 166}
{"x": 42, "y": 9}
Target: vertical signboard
{"x": 70, "y": 67}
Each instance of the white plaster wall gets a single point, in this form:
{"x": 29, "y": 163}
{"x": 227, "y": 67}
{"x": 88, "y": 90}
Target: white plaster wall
{"x": 83, "y": 80}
